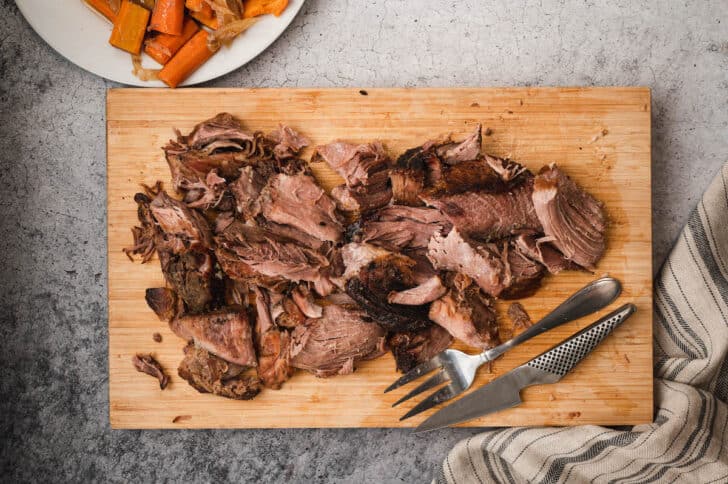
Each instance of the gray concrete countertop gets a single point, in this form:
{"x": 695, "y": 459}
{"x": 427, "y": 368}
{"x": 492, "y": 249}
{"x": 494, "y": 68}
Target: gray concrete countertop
{"x": 53, "y": 311}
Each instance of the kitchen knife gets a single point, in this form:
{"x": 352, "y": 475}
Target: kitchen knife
{"x": 548, "y": 367}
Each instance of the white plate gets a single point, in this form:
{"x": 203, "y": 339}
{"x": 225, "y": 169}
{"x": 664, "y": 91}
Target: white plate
{"x": 81, "y": 36}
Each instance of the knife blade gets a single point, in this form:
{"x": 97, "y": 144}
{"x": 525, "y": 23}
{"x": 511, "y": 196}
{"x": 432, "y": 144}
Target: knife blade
{"x": 548, "y": 367}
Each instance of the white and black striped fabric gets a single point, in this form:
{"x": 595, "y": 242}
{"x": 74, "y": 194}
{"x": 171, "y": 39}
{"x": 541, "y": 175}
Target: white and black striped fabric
{"x": 687, "y": 441}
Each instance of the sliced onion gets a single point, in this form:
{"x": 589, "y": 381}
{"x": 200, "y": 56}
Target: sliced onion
{"x": 226, "y": 33}
{"x": 143, "y": 73}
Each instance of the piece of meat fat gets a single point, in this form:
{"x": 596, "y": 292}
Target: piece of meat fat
{"x": 573, "y": 220}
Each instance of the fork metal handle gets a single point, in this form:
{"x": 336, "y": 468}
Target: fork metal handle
{"x": 587, "y": 300}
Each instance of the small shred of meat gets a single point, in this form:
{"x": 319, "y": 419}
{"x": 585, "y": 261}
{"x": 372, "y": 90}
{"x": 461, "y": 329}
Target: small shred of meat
{"x": 183, "y": 229}
{"x": 508, "y": 170}
{"x": 424, "y": 293}
{"x": 336, "y": 342}
{"x": 412, "y": 348}
{"x": 481, "y": 262}
{"x": 288, "y": 142}
{"x": 573, "y": 221}
{"x": 191, "y": 276}
{"x": 490, "y": 216}
{"x": 297, "y": 200}
{"x": 373, "y": 285}
{"x": 356, "y": 255}
{"x": 468, "y": 149}
{"x": 303, "y": 298}
{"x": 357, "y": 164}
{"x": 273, "y": 345}
{"x": 246, "y": 190}
{"x": 207, "y": 194}
{"x": 226, "y": 333}
{"x": 361, "y": 199}
{"x": 146, "y": 234}
{"x": 468, "y": 315}
{"x": 399, "y": 227}
{"x": 145, "y": 363}
{"x": 519, "y": 317}
{"x": 163, "y": 301}
{"x": 523, "y": 275}
{"x": 544, "y": 253}
{"x": 208, "y": 373}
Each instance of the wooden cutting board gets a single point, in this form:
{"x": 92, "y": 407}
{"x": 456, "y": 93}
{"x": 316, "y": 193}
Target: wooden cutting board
{"x": 601, "y": 137}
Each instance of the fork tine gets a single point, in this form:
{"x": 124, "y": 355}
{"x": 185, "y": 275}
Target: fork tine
{"x": 415, "y": 372}
{"x": 443, "y": 394}
{"x": 440, "y": 377}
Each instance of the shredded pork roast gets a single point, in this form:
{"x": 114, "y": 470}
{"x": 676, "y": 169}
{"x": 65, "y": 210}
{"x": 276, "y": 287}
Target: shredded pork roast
{"x": 264, "y": 277}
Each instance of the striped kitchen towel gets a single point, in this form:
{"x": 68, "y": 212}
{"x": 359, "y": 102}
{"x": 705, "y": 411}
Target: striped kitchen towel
{"x": 687, "y": 441}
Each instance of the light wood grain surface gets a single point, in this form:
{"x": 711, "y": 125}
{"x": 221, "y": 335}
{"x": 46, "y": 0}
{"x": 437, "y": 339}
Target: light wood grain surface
{"x": 600, "y": 136}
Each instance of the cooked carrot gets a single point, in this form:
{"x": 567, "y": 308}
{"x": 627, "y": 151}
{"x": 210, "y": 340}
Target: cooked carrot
{"x": 161, "y": 47}
{"x": 186, "y": 61}
{"x": 253, "y": 8}
{"x": 168, "y": 16}
{"x": 129, "y": 27}
{"x": 103, "y": 7}
{"x": 195, "y": 5}
{"x": 206, "y": 16}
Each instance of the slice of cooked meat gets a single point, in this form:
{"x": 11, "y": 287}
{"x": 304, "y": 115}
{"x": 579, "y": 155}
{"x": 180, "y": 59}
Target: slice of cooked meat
{"x": 225, "y": 333}
{"x": 399, "y": 227}
{"x": 147, "y": 233}
{"x": 163, "y": 301}
{"x": 293, "y": 234}
{"x": 374, "y": 283}
{"x": 222, "y": 220}
{"x": 545, "y": 253}
{"x": 291, "y": 315}
{"x": 468, "y": 149}
{"x": 183, "y": 229}
{"x": 573, "y": 220}
{"x": 424, "y": 293}
{"x": 191, "y": 276}
{"x": 357, "y": 164}
{"x": 244, "y": 251}
{"x": 297, "y": 200}
{"x": 223, "y": 127}
{"x": 145, "y": 363}
{"x": 482, "y": 262}
{"x": 523, "y": 274}
{"x": 361, "y": 199}
{"x": 246, "y": 190}
{"x": 336, "y": 342}
{"x": 288, "y": 142}
{"x": 412, "y": 348}
{"x": 468, "y": 315}
{"x": 273, "y": 345}
{"x": 208, "y": 373}
{"x": 407, "y": 183}
{"x": 303, "y": 298}
{"x": 487, "y": 215}
{"x": 519, "y": 317}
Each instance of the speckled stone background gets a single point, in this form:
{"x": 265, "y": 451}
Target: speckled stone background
{"x": 53, "y": 313}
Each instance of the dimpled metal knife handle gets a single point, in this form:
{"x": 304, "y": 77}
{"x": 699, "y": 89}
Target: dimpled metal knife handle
{"x": 560, "y": 359}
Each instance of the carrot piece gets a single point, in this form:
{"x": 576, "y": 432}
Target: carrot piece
{"x": 161, "y": 47}
{"x": 102, "y": 7}
{"x": 253, "y": 8}
{"x": 206, "y": 16}
{"x": 195, "y": 5}
{"x": 129, "y": 27}
{"x": 192, "y": 55}
{"x": 168, "y": 16}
